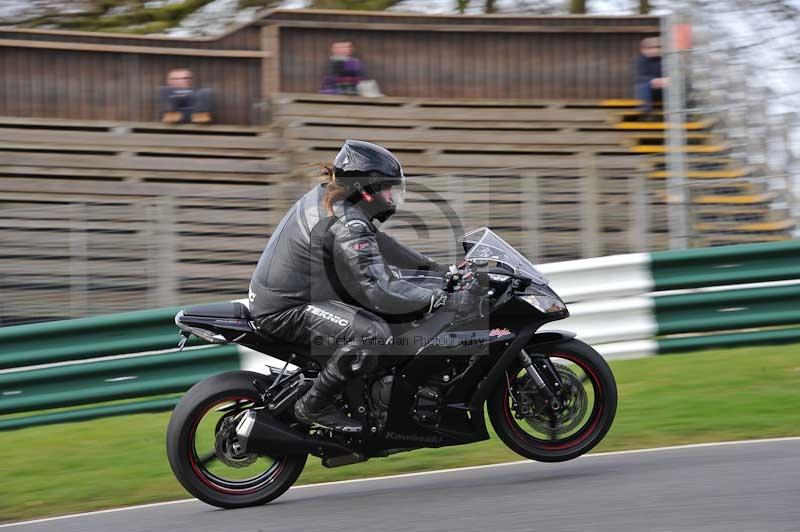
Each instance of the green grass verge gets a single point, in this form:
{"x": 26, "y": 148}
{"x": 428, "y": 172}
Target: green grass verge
{"x": 709, "y": 396}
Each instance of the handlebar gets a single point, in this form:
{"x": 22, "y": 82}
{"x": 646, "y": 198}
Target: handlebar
{"x": 461, "y": 276}
{"x": 466, "y": 275}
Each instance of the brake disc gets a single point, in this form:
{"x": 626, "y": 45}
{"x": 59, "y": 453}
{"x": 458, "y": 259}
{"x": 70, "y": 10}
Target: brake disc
{"x": 530, "y": 406}
{"x": 227, "y": 446}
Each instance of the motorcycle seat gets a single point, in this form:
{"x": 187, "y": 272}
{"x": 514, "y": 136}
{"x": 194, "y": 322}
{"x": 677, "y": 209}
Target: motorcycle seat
{"x": 219, "y": 310}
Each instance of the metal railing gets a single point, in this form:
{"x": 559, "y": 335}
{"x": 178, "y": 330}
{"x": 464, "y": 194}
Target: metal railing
{"x": 728, "y": 86}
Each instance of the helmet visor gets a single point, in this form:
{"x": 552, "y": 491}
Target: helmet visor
{"x": 394, "y": 191}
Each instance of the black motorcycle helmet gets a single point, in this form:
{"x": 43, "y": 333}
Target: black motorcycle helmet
{"x": 373, "y": 175}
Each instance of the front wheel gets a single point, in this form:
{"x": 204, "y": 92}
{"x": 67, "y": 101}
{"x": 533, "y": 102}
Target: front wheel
{"x": 529, "y": 426}
{"x": 205, "y": 454}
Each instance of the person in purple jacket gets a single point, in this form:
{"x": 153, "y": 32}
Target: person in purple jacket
{"x": 344, "y": 71}
{"x": 650, "y": 82}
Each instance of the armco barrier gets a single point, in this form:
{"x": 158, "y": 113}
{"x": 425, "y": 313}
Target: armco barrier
{"x": 93, "y": 360}
{"x": 607, "y": 321}
{"x": 83, "y": 414}
{"x": 726, "y": 265}
{"x": 601, "y": 277}
{"x": 109, "y": 380}
{"x": 728, "y": 310}
{"x": 711, "y": 297}
{"x": 736, "y": 339}
{"x": 626, "y": 306}
{"x": 59, "y": 341}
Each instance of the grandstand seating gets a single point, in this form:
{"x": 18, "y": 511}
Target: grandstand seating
{"x": 729, "y": 202}
{"x": 560, "y": 177}
{"x": 138, "y": 152}
{"x": 97, "y": 217}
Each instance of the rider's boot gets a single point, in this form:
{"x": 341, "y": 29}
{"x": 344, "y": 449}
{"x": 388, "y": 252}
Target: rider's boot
{"x": 317, "y": 406}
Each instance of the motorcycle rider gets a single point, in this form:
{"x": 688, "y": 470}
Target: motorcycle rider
{"x": 324, "y": 277}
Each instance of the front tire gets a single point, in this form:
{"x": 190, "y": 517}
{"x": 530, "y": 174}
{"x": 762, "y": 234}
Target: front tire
{"x": 238, "y": 480}
{"x": 539, "y": 433}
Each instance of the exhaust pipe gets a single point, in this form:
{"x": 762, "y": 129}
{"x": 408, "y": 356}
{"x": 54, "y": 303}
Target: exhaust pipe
{"x": 259, "y": 432}
{"x": 344, "y": 459}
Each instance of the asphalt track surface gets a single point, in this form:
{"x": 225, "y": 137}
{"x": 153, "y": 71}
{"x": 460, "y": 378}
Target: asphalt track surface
{"x": 747, "y": 486}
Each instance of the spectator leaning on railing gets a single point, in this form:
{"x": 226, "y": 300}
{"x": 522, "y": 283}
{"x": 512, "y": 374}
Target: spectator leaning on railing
{"x": 181, "y": 103}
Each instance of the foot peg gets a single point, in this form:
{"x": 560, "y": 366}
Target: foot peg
{"x": 329, "y": 417}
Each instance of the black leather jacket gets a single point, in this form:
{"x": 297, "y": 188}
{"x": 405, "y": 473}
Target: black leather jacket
{"x": 315, "y": 257}
{"x": 647, "y": 68}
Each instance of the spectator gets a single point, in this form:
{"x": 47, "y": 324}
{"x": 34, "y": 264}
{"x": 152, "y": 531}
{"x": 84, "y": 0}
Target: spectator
{"x": 180, "y": 103}
{"x": 344, "y": 71}
{"x": 650, "y": 83}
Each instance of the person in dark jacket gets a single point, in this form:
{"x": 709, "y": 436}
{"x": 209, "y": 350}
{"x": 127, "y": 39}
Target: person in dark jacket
{"x": 650, "y": 82}
{"x": 344, "y": 71}
{"x": 181, "y": 103}
{"x": 324, "y": 278}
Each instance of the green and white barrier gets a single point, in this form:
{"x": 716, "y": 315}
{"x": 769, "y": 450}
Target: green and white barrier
{"x": 625, "y": 305}
{"x": 133, "y": 355}
{"x": 601, "y": 277}
{"x": 644, "y": 304}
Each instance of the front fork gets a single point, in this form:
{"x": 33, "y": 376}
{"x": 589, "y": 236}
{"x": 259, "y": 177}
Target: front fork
{"x": 552, "y": 397}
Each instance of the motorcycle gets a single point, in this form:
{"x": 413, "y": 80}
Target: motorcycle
{"x": 233, "y": 441}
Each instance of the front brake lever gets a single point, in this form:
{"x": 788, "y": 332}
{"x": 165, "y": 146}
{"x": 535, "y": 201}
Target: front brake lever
{"x": 480, "y": 306}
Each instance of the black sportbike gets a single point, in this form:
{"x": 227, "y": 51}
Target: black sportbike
{"x": 233, "y": 440}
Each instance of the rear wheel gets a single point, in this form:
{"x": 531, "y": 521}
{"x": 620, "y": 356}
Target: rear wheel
{"x": 205, "y": 454}
{"x": 525, "y": 421}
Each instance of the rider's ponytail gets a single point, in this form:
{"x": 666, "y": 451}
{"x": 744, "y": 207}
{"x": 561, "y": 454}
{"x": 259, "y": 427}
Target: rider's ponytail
{"x": 333, "y": 191}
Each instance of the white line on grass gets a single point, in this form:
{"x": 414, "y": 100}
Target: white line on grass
{"x": 419, "y": 474}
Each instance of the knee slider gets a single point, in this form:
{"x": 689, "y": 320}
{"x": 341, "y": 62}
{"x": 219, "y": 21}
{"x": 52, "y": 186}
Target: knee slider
{"x": 348, "y": 360}
{"x": 376, "y": 334}
{"x": 351, "y": 360}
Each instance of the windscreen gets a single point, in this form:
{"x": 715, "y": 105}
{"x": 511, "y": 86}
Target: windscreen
{"x": 487, "y": 246}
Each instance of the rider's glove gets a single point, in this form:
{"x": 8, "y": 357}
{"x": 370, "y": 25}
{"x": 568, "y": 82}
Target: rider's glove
{"x": 438, "y": 300}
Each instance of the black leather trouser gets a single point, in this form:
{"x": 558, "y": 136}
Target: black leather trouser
{"x": 355, "y": 336}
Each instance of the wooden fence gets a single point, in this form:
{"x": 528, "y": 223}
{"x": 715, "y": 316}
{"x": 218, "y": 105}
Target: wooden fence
{"x": 139, "y": 215}
{"x": 80, "y": 75}
{"x": 481, "y": 57}
{"x": 111, "y": 216}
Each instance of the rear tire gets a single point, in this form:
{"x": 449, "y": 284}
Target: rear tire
{"x": 235, "y": 387}
{"x": 598, "y": 421}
